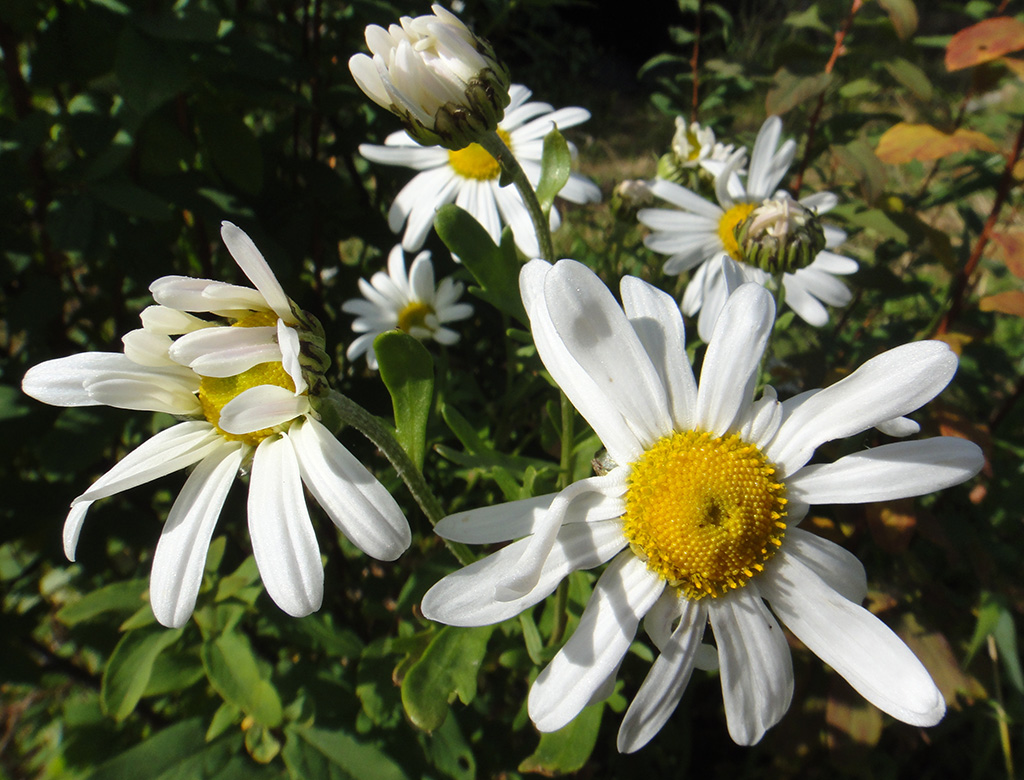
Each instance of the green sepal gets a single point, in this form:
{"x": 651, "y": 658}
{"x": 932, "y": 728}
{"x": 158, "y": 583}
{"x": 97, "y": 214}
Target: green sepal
{"x": 495, "y": 269}
{"x": 555, "y": 166}
{"x": 408, "y": 373}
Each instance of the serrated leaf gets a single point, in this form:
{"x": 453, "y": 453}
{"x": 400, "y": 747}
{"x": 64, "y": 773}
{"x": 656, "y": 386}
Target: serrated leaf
{"x": 555, "y": 167}
{"x": 334, "y": 755}
{"x": 790, "y": 90}
{"x": 903, "y": 15}
{"x": 447, "y": 668}
{"x": 408, "y": 373}
{"x": 128, "y": 671}
{"x": 234, "y": 673}
{"x": 118, "y": 597}
{"x": 904, "y": 142}
{"x": 566, "y": 750}
{"x": 985, "y": 41}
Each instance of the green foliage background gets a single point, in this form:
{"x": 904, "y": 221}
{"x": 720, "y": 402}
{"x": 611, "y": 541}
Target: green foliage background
{"x": 129, "y": 130}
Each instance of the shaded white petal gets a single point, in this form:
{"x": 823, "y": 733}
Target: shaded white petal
{"x": 419, "y": 158}
{"x": 730, "y": 367}
{"x": 147, "y": 348}
{"x": 836, "y": 565}
{"x": 899, "y": 427}
{"x": 263, "y": 406}
{"x": 762, "y": 419}
{"x": 757, "y": 669}
{"x": 224, "y": 352}
{"x": 890, "y": 385}
{"x": 759, "y": 182}
{"x": 205, "y": 295}
{"x": 73, "y": 527}
{"x": 663, "y": 687}
{"x": 254, "y": 266}
{"x": 351, "y": 496}
{"x": 855, "y": 643}
{"x": 171, "y": 449}
{"x": 466, "y": 597}
{"x": 149, "y": 394}
{"x": 283, "y": 541}
{"x": 621, "y": 597}
{"x": 288, "y": 341}
{"x": 165, "y": 321}
{"x": 180, "y": 555}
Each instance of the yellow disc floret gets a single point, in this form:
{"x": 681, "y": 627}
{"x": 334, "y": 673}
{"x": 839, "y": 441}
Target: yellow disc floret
{"x": 704, "y": 512}
{"x": 727, "y": 227}
{"x": 414, "y": 315}
{"x": 475, "y": 162}
{"x": 215, "y": 392}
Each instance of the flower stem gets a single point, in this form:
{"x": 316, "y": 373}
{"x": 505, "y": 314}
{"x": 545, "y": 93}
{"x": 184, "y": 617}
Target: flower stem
{"x": 511, "y": 169}
{"x": 350, "y": 413}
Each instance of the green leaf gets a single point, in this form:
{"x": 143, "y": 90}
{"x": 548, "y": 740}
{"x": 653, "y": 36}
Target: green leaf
{"x": 911, "y": 77}
{"x": 860, "y": 160}
{"x": 334, "y": 755}
{"x": 173, "y": 672}
{"x": 119, "y": 597}
{"x": 903, "y": 15}
{"x": 408, "y": 373}
{"x": 131, "y": 199}
{"x": 233, "y": 149}
{"x": 566, "y": 750}
{"x": 128, "y": 671}
{"x": 496, "y": 269}
{"x": 448, "y": 750}
{"x": 234, "y": 672}
{"x": 447, "y": 668}
{"x": 791, "y": 90}
{"x": 161, "y": 755}
{"x": 555, "y": 166}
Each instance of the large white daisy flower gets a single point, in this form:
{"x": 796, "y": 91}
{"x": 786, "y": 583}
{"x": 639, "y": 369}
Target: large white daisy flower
{"x": 469, "y": 177}
{"x": 698, "y": 234}
{"x": 244, "y": 392}
{"x": 697, "y": 512}
{"x": 409, "y": 302}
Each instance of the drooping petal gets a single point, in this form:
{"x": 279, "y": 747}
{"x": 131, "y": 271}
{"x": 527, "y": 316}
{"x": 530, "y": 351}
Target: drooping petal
{"x": 836, "y": 565}
{"x": 254, "y": 266}
{"x": 859, "y": 646}
{"x": 73, "y": 527}
{"x": 180, "y": 554}
{"x": 263, "y": 406}
{"x": 621, "y": 597}
{"x": 283, "y": 541}
{"x": 898, "y": 470}
{"x": 757, "y": 669}
{"x": 663, "y": 687}
{"x": 288, "y": 341}
{"x": 205, "y": 295}
{"x": 351, "y": 496}
{"x": 64, "y": 381}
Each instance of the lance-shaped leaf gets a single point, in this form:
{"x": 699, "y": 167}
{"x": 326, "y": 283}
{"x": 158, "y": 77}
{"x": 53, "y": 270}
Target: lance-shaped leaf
{"x": 130, "y": 667}
{"x": 566, "y": 750}
{"x": 234, "y": 673}
{"x": 408, "y": 373}
{"x": 555, "y": 166}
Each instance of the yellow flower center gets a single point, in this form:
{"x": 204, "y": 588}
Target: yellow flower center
{"x": 215, "y": 392}
{"x": 727, "y": 227}
{"x": 704, "y": 512}
{"x": 694, "y": 143}
{"x": 414, "y": 315}
{"x": 475, "y": 162}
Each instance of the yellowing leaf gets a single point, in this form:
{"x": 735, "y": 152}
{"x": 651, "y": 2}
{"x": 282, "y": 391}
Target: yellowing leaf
{"x": 904, "y": 142}
{"x": 983, "y": 42}
{"x": 1009, "y": 302}
{"x": 1012, "y": 245}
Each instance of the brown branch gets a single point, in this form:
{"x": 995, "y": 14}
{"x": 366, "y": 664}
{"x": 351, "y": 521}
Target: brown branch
{"x": 812, "y": 126}
{"x": 960, "y": 282}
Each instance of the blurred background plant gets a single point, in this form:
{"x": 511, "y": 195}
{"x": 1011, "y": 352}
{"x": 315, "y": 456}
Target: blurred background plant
{"x": 129, "y": 130}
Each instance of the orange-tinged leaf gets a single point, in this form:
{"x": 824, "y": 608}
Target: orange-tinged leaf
{"x": 1014, "y": 65}
{"x": 892, "y": 524}
{"x": 936, "y": 653}
{"x": 956, "y": 341}
{"x": 1012, "y": 245}
{"x": 850, "y": 718}
{"x": 985, "y": 41}
{"x": 1009, "y": 302}
{"x": 904, "y": 142}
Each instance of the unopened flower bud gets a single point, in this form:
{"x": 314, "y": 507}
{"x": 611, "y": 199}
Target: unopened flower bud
{"x": 780, "y": 236}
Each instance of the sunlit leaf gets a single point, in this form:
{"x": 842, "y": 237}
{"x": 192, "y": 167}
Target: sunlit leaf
{"x": 904, "y": 142}
{"x": 985, "y": 41}
{"x": 334, "y": 755}
{"x": 566, "y": 750}
{"x": 234, "y": 672}
{"x": 127, "y": 673}
{"x": 1012, "y": 244}
{"x": 408, "y": 373}
{"x": 120, "y": 598}
{"x": 555, "y": 166}
{"x": 903, "y": 15}
{"x": 1009, "y": 302}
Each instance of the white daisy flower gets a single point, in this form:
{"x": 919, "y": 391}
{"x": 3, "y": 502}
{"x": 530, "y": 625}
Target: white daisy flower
{"x": 444, "y": 83}
{"x": 694, "y": 145}
{"x": 469, "y": 177}
{"x": 697, "y": 512}
{"x": 244, "y": 391}
{"x": 698, "y": 234}
{"x": 409, "y": 302}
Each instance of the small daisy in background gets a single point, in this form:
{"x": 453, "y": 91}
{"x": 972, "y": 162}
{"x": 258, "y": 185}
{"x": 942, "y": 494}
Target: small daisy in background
{"x": 407, "y": 301}
{"x": 693, "y": 146}
{"x": 695, "y": 511}
{"x": 700, "y": 235}
{"x": 469, "y": 177}
{"x": 244, "y": 375}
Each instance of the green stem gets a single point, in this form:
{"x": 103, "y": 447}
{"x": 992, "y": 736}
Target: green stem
{"x": 351, "y": 413}
{"x": 564, "y": 478}
{"x": 511, "y": 169}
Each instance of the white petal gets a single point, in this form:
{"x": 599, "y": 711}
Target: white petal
{"x": 73, "y": 527}
{"x": 147, "y": 348}
{"x": 253, "y": 265}
{"x": 730, "y": 367}
{"x": 283, "y": 541}
{"x": 419, "y": 158}
{"x": 685, "y": 199}
{"x": 63, "y": 381}
{"x": 757, "y": 669}
{"x": 224, "y": 352}
{"x": 288, "y": 341}
{"x": 149, "y": 394}
{"x": 759, "y": 182}
{"x": 836, "y": 565}
{"x": 899, "y": 470}
{"x": 180, "y": 555}
{"x": 762, "y": 419}
{"x": 663, "y": 687}
{"x": 596, "y": 333}
{"x": 658, "y": 323}
{"x": 621, "y": 597}
{"x": 165, "y": 321}
{"x": 351, "y": 496}
{"x": 263, "y": 406}
{"x": 466, "y": 597}
{"x": 890, "y": 385}
{"x": 855, "y": 643}
{"x": 170, "y": 450}
{"x": 899, "y": 427}
{"x": 205, "y": 295}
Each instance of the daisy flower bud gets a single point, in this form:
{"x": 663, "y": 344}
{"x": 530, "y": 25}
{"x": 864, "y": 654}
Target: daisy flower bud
{"x": 444, "y": 83}
{"x": 780, "y": 235}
